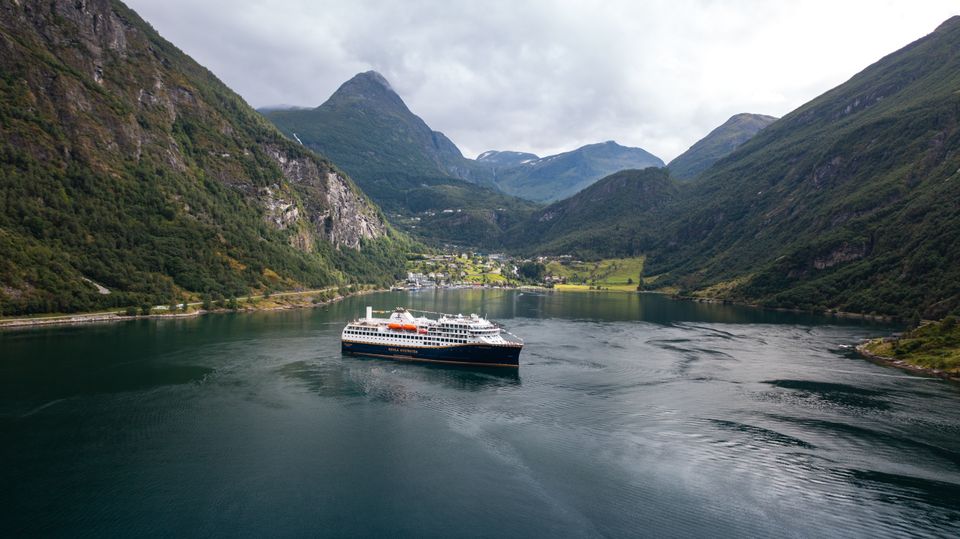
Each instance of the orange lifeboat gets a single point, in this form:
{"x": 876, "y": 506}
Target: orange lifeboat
{"x": 423, "y": 331}
{"x": 395, "y": 325}
{"x": 410, "y": 327}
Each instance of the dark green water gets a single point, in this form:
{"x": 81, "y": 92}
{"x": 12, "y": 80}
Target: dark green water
{"x": 630, "y": 416}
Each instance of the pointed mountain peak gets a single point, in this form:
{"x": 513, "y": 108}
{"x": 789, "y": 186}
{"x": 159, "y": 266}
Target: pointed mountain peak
{"x": 368, "y": 86}
{"x": 373, "y": 77}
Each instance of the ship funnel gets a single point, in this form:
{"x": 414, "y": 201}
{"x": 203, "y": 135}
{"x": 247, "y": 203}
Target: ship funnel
{"x": 369, "y": 312}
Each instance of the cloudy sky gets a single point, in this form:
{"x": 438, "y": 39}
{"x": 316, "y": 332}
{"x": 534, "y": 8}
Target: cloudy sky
{"x": 549, "y": 76}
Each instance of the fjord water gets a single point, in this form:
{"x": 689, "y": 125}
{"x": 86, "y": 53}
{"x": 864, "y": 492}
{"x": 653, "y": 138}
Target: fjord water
{"x": 630, "y": 416}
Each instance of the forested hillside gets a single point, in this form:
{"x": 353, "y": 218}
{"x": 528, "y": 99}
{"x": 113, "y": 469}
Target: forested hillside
{"x": 620, "y": 215}
{"x": 125, "y": 163}
{"x": 850, "y": 202}
{"x": 411, "y": 171}
{"x": 718, "y": 144}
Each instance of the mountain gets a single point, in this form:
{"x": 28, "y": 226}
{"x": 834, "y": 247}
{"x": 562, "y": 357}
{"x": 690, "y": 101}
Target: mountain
{"x": 620, "y": 215}
{"x": 718, "y": 144}
{"x": 125, "y": 164}
{"x": 366, "y": 128}
{"x": 498, "y": 159}
{"x": 411, "y": 171}
{"x": 559, "y": 176}
{"x": 851, "y": 202}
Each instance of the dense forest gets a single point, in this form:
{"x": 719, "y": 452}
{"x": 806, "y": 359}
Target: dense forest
{"x": 126, "y": 164}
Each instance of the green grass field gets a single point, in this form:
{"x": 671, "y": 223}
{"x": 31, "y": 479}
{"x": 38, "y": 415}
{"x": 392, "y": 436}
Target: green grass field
{"x": 613, "y": 273}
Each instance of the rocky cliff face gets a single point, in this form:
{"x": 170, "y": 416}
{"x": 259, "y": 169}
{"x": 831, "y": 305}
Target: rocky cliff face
{"x": 333, "y": 207}
{"x": 107, "y": 129}
{"x": 127, "y": 64}
{"x": 413, "y": 172}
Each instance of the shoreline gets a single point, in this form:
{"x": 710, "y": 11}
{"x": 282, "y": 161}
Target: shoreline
{"x": 119, "y": 316}
{"x": 723, "y": 301}
{"x": 841, "y": 314}
{"x": 300, "y": 300}
{"x": 306, "y": 299}
{"x": 900, "y": 363}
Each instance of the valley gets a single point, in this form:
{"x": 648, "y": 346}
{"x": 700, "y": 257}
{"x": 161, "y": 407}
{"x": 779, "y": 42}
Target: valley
{"x": 141, "y": 173}
{"x": 498, "y": 270}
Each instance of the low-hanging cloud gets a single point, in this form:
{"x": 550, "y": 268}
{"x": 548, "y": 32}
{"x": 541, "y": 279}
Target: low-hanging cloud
{"x": 548, "y": 76}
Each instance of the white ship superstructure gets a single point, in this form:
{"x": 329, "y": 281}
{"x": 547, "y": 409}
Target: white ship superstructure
{"x": 449, "y": 339}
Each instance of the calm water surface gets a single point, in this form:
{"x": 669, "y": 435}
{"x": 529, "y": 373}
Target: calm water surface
{"x": 630, "y": 416}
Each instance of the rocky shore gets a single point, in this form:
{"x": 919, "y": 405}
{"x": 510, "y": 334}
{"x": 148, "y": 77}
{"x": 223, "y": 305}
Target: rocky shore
{"x": 864, "y": 350}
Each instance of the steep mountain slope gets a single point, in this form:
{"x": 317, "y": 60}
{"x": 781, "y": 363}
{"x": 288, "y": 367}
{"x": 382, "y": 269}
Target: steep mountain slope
{"x": 559, "y": 176}
{"x": 366, "y": 128}
{"x": 124, "y": 162}
{"x": 620, "y": 215}
{"x": 413, "y": 172}
{"x": 850, "y": 202}
{"x": 718, "y": 144}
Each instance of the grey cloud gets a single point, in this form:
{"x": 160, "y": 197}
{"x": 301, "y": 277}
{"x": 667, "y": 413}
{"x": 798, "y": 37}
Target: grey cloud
{"x": 545, "y": 76}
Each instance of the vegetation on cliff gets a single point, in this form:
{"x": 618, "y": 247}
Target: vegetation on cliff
{"x": 125, "y": 164}
{"x": 718, "y": 144}
{"x": 933, "y": 346}
{"x": 851, "y": 202}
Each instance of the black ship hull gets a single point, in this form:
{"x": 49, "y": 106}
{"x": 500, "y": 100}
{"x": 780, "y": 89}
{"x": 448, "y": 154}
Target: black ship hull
{"x": 477, "y": 355}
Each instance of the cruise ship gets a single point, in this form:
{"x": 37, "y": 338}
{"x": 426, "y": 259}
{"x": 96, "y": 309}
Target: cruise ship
{"x": 451, "y": 339}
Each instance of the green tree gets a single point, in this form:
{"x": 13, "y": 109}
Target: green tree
{"x": 948, "y": 324}
{"x": 532, "y": 271}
